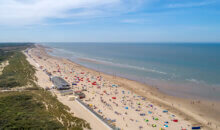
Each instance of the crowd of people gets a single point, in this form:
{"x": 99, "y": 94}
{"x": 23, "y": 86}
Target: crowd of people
{"x": 122, "y": 108}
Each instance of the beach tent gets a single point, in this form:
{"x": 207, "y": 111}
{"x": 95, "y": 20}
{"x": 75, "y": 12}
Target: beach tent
{"x": 166, "y": 126}
{"x": 143, "y": 98}
{"x": 196, "y": 127}
{"x": 149, "y": 112}
{"x": 114, "y": 85}
{"x": 154, "y": 125}
{"x": 94, "y": 83}
{"x": 113, "y": 97}
{"x": 142, "y": 114}
{"x": 156, "y": 119}
{"x": 114, "y": 120}
{"x": 165, "y": 111}
{"x": 126, "y": 107}
{"x": 175, "y": 120}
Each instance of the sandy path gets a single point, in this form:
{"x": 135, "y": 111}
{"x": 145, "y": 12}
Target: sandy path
{"x": 3, "y": 65}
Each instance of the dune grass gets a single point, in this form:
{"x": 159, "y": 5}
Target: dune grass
{"x": 22, "y": 111}
{"x": 32, "y": 108}
{"x": 18, "y": 73}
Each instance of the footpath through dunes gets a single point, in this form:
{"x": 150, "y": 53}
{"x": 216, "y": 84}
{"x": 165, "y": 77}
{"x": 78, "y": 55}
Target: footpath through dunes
{"x": 24, "y": 105}
{"x": 2, "y": 66}
{"x": 111, "y": 96}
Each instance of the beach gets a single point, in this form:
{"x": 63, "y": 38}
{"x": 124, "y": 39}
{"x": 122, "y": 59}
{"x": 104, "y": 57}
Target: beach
{"x": 127, "y": 104}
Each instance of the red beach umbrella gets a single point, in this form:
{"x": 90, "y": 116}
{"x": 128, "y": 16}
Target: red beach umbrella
{"x": 175, "y": 120}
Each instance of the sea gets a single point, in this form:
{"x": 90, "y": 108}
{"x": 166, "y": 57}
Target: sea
{"x": 187, "y": 70}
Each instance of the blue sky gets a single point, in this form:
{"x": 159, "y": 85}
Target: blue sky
{"x": 110, "y": 20}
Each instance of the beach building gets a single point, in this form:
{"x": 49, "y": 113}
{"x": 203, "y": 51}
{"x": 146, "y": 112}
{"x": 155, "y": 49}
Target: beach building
{"x": 79, "y": 94}
{"x": 60, "y": 83}
{"x": 66, "y": 92}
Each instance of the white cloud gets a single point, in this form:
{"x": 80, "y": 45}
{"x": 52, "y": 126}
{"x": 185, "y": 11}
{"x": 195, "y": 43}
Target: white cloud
{"x": 191, "y": 4}
{"x": 23, "y": 12}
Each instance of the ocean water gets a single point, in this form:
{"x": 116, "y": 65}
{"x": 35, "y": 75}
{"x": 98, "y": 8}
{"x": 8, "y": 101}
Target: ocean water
{"x": 184, "y": 70}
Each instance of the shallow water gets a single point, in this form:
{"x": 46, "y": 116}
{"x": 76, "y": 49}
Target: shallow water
{"x": 185, "y": 70}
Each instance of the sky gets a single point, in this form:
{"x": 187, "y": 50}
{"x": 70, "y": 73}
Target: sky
{"x": 110, "y": 21}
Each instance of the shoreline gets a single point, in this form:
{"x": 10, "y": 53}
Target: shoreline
{"x": 179, "y": 106}
{"x": 186, "y": 88}
{"x": 189, "y": 97}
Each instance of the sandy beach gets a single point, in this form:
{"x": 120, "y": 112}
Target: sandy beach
{"x": 127, "y": 104}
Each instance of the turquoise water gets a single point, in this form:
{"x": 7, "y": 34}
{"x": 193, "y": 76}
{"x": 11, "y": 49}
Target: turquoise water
{"x": 185, "y": 70}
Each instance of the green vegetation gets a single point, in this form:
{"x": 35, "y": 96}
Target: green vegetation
{"x": 20, "y": 110}
{"x": 4, "y": 55}
{"x": 33, "y": 108}
{"x": 18, "y": 73}
{"x": 36, "y": 109}
{"x": 8, "y": 49}
{"x": 57, "y": 109}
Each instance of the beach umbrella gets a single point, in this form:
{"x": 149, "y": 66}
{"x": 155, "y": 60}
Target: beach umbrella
{"x": 126, "y": 107}
{"x": 146, "y": 120}
{"x": 149, "y": 112}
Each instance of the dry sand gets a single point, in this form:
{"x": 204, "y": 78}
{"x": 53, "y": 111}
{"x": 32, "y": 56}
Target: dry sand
{"x": 139, "y": 98}
{"x": 3, "y": 65}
